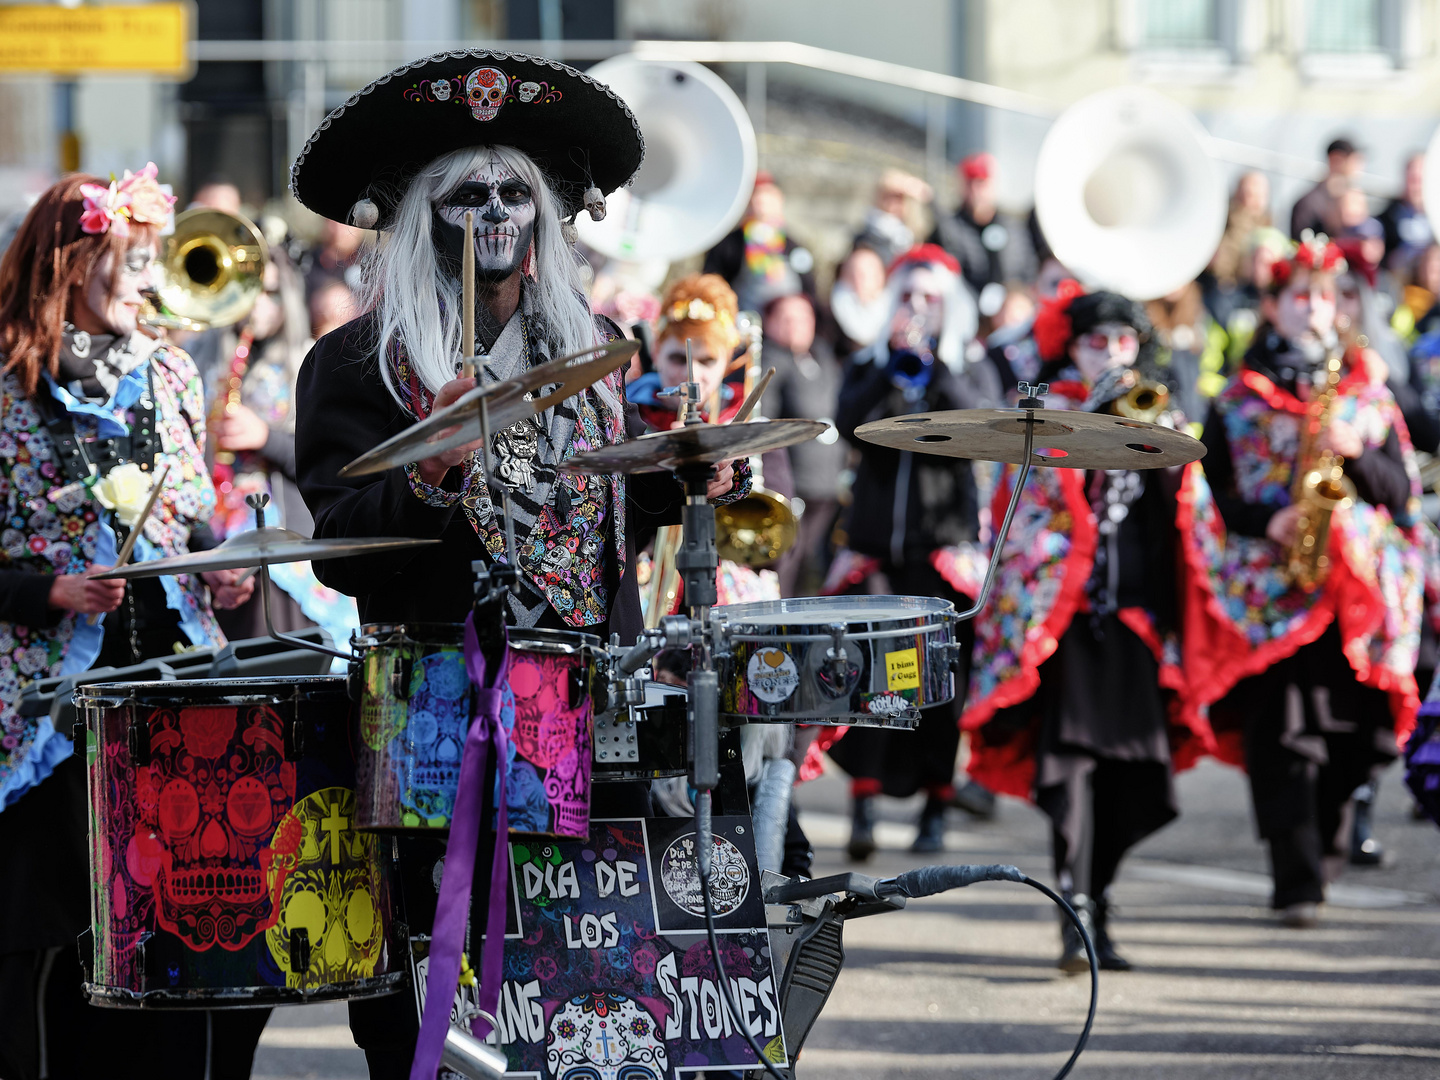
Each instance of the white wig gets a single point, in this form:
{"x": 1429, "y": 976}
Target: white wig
{"x": 962, "y": 316}
{"x": 418, "y": 304}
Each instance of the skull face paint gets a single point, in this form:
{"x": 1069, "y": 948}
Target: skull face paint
{"x": 216, "y": 785}
{"x": 1108, "y": 345}
{"x": 505, "y": 211}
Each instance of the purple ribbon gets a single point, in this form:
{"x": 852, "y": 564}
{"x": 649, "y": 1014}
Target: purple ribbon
{"x": 486, "y": 736}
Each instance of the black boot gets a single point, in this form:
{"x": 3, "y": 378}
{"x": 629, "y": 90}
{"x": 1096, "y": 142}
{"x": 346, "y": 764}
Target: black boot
{"x": 1365, "y": 850}
{"x": 862, "y": 828}
{"x": 930, "y": 835}
{"x": 1073, "y": 959}
{"x": 975, "y": 799}
{"x": 1110, "y": 960}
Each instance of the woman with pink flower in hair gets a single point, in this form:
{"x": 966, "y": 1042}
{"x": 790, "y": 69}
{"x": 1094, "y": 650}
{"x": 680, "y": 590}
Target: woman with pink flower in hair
{"x": 91, "y": 410}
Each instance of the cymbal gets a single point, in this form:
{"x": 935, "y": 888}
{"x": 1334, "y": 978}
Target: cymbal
{"x": 1063, "y": 438}
{"x": 262, "y": 547}
{"x": 506, "y": 402}
{"x": 694, "y": 444}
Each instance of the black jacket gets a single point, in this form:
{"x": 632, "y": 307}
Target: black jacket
{"x": 342, "y": 410}
{"x": 1012, "y": 258}
{"x": 905, "y": 505}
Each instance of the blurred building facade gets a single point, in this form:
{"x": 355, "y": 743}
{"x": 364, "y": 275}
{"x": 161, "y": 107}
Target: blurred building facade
{"x": 1282, "y": 74}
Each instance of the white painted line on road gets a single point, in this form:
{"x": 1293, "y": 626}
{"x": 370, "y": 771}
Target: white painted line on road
{"x": 1248, "y": 884}
{"x": 1377, "y": 1050}
{"x": 881, "y": 1062}
{"x": 318, "y": 1037}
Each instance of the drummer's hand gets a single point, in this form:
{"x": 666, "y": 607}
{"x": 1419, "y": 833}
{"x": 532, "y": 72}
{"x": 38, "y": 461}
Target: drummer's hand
{"x": 433, "y": 470}
{"x": 722, "y": 481}
{"x": 242, "y": 430}
{"x": 1283, "y": 525}
{"x": 78, "y": 592}
{"x": 227, "y": 590}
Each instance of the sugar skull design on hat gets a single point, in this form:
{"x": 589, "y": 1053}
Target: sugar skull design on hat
{"x": 605, "y": 1035}
{"x": 485, "y": 91}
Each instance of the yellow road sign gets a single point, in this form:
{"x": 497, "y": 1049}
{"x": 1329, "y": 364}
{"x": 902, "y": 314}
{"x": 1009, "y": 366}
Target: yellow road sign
{"x": 151, "y": 38}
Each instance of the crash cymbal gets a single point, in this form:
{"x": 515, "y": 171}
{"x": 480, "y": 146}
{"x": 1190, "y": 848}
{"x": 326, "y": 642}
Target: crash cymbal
{"x": 506, "y": 401}
{"x": 262, "y": 547}
{"x": 694, "y": 444}
{"x": 1063, "y": 438}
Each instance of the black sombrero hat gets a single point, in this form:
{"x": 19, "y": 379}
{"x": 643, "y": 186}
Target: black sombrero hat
{"x": 578, "y": 131}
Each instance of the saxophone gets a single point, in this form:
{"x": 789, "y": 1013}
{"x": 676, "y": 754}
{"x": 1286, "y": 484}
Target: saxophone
{"x": 1320, "y": 488}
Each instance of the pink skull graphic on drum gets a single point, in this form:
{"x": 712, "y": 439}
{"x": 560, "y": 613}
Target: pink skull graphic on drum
{"x": 485, "y": 91}
{"x": 210, "y": 800}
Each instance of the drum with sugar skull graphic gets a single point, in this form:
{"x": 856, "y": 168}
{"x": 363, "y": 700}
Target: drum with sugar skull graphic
{"x": 415, "y": 710}
{"x": 226, "y": 866}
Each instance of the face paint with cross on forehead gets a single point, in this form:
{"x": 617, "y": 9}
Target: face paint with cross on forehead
{"x": 504, "y": 208}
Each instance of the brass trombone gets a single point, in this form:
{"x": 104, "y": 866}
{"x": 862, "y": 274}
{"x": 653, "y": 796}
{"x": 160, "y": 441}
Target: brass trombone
{"x": 211, "y": 272}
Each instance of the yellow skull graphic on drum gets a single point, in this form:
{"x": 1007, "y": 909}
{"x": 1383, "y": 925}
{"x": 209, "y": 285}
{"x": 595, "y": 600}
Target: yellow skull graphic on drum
{"x": 330, "y": 929}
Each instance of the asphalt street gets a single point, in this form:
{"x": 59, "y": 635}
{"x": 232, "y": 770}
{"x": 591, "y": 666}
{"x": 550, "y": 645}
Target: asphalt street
{"x": 964, "y": 985}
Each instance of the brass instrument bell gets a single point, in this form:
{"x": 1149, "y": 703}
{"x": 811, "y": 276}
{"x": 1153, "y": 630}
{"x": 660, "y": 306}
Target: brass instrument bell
{"x": 1143, "y": 400}
{"x": 211, "y": 271}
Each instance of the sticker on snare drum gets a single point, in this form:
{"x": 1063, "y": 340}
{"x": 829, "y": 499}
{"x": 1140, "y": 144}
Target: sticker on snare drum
{"x": 902, "y": 670}
{"x": 888, "y": 705}
{"x": 772, "y": 675}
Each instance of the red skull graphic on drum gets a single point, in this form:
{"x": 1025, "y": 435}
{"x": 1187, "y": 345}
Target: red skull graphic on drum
{"x": 210, "y": 799}
{"x": 485, "y": 92}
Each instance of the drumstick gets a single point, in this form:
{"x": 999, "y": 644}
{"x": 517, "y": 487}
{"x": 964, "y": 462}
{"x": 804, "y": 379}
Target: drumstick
{"x": 756, "y": 393}
{"x": 129, "y": 546}
{"x": 467, "y": 293}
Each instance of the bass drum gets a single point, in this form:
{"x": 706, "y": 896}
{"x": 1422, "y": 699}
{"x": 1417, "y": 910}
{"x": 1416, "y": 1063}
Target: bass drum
{"x": 415, "y": 709}
{"x": 874, "y": 661}
{"x": 226, "y": 868}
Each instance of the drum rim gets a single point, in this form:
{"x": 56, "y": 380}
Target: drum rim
{"x": 796, "y": 608}
{"x": 800, "y": 621}
{"x": 440, "y": 632}
{"x": 289, "y": 684}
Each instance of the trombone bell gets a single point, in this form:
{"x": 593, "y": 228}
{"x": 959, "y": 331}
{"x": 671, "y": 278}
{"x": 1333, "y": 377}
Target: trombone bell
{"x": 755, "y": 530}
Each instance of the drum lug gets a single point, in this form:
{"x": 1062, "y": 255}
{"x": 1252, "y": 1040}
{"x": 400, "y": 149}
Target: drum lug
{"x": 838, "y": 675}
{"x": 139, "y": 739}
{"x": 400, "y": 673}
{"x": 355, "y": 681}
{"x": 951, "y": 653}
{"x": 299, "y": 950}
{"x": 294, "y": 739}
{"x": 576, "y": 686}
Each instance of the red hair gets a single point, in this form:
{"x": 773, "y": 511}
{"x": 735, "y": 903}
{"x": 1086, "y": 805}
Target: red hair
{"x": 1052, "y": 322}
{"x": 49, "y": 257}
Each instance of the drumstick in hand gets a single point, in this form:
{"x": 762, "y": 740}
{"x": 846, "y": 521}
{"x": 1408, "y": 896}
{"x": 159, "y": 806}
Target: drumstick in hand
{"x": 127, "y": 548}
{"x": 467, "y": 293}
{"x": 756, "y": 392}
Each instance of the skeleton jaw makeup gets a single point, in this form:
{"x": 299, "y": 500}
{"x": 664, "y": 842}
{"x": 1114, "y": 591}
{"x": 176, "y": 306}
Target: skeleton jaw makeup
{"x": 504, "y": 208}
{"x": 1108, "y": 345}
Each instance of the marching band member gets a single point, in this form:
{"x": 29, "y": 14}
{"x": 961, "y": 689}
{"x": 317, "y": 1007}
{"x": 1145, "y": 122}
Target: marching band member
{"x": 92, "y": 407}
{"x": 1308, "y": 687}
{"x": 524, "y": 143}
{"x": 905, "y": 508}
{"x": 1075, "y": 661}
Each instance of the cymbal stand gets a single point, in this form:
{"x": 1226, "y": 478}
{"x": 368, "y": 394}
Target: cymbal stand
{"x": 258, "y": 502}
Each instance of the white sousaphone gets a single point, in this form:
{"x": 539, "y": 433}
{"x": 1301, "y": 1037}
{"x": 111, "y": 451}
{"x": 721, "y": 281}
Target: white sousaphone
{"x": 1127, "y": 194}
{"x": 699, "y": 166}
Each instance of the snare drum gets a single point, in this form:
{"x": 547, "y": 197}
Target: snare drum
{"x": 868, "y": 660}
{"x": 226, "y": 869}
{"x": 415, "y": 711}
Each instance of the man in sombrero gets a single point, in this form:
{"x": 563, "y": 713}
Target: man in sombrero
{"x": 526, "y": 144}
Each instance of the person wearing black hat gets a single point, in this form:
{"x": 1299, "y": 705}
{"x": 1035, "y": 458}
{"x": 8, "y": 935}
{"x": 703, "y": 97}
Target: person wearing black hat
{"x": 1318, "y": 210}
{"x": 1075, "y": 662}
{"x": 524, "y": 143}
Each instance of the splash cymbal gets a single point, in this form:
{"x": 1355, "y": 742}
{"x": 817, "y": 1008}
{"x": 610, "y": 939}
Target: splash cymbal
{"x": 694, "y": 444}
{"x": 262, "y": 547}
{"x": 1063, "y": 438}
{"x": 459, "y": 422}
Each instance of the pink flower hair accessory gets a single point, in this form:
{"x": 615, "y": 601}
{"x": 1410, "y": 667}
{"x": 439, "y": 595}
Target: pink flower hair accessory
{"x": 134, "y": 197}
